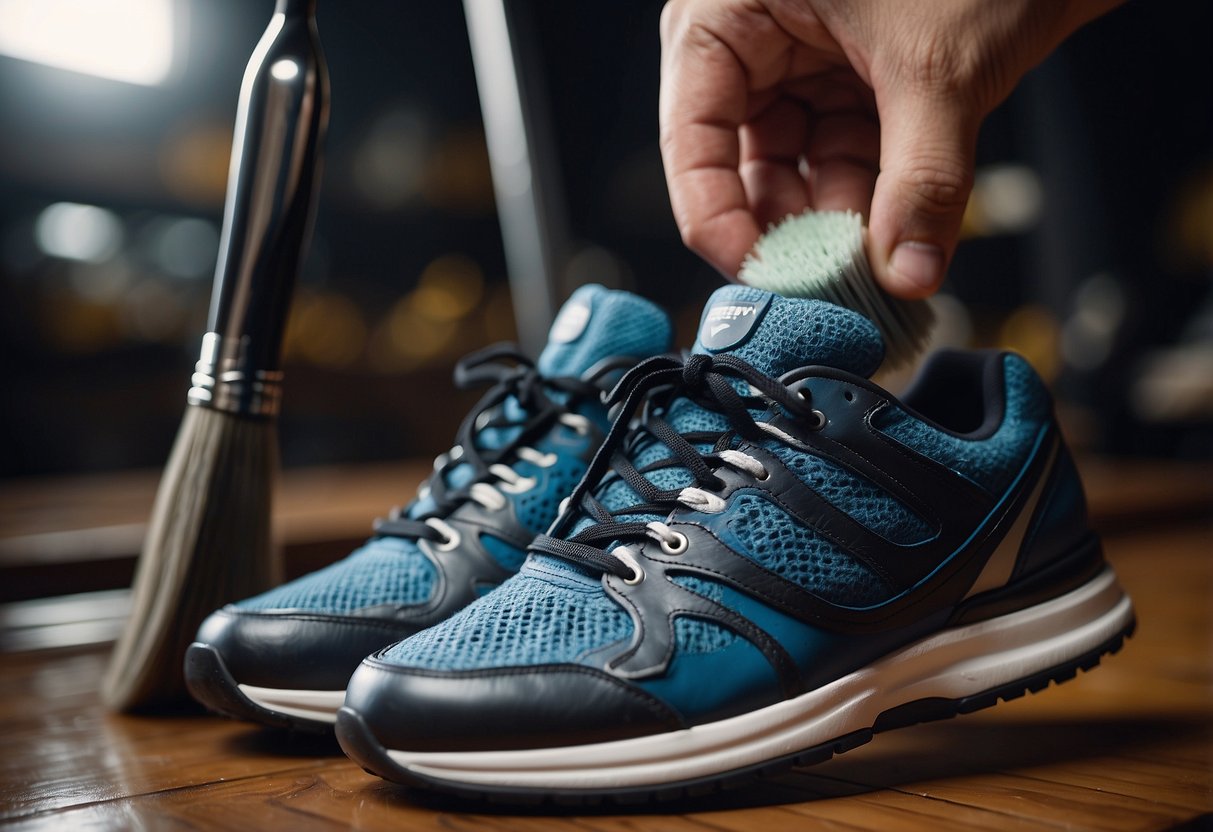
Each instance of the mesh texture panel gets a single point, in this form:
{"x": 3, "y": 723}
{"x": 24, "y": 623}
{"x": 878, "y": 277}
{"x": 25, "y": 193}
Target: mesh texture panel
{"x": 537, "y": 508}
{"x": 772, "y": 539}
{"x": 527, "y": 620}
{"x": 993, "y": 462}
{"x": 695, "y": 635}
{"x": 507, "y": 554}
{"x": 384, "y": 571}
{"x": 855, "y": 495}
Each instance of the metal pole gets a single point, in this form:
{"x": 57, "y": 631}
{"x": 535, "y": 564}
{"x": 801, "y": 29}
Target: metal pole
{"x": 528, "y": 211}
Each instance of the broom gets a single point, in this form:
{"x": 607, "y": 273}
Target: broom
{"x": 208, "y": 539}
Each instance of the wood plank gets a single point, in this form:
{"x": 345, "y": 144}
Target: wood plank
{"x": 1128, "y": 746}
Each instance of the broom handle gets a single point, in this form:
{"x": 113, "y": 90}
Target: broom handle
{"x": 267, "y": 217}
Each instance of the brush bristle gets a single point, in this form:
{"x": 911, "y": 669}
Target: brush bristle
{"x": 820, "y": 254}
{"x": 208, "y": 543}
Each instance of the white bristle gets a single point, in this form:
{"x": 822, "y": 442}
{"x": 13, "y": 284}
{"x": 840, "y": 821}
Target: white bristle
{"x": 820, "y": 254}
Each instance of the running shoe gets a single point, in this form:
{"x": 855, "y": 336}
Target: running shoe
{"x": 770, "y": 559}
{"x": 283, "y": 658}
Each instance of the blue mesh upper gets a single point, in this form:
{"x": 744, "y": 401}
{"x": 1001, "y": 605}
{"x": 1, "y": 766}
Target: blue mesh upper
{"x": 596, "y": 323}
{"x": 695, "y": 635}
{"x": 765, "y": 534}
{"x": 507, "y": 554}
{"x": 395, "y": 571}
{"x": 385, "y": 570}
{"x": 556, "y": 612}
{"x": 856, "y": 495}
{"x": 535, "y": 617}
{"x": 791, "y": 333}
{"x": 537, "y": 508}
{"x": 993, "y": 462}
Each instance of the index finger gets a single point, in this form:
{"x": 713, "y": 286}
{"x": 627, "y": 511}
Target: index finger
{"x": 703, "y": 103}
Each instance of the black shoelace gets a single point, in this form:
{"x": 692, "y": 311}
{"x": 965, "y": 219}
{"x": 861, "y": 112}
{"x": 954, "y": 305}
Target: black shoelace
{"x": 706, "y": 380}
{"x": 511, "y": 374}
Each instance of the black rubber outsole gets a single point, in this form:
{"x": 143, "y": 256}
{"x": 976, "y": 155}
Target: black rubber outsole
{"x": 209, "y": 682}
{"x": 361, "y": 746}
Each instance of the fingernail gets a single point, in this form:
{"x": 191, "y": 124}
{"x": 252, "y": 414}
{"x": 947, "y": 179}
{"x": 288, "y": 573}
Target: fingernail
{"x": 918, "y": 264}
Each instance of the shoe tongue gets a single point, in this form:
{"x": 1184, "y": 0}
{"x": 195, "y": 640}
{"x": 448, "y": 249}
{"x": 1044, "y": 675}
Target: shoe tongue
{"x": 597, "y": 323}
{"x": 777, "y": 334}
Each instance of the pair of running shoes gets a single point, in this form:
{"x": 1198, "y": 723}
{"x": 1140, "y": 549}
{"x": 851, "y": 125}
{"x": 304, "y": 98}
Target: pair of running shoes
{"x": 640, "y": 574}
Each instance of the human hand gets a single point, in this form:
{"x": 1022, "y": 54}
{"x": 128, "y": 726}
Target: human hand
{"x": 771, "y": 107}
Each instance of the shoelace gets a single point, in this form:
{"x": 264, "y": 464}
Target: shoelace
{"x": 511, "y": 374}
{"x": 706, "y": 380}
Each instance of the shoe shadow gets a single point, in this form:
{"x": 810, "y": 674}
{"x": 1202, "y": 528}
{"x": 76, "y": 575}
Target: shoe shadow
{"x": 933, "y": 751}
{"x": 962, "y": 747}
{"x": 283, "y": 743}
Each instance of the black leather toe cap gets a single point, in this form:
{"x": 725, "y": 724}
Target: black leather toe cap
{"x": 296, "y": 650}
{"x": 507, "y": 708}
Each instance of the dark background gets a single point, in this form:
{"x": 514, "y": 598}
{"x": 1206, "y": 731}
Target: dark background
{"x": 1089, "y": 243}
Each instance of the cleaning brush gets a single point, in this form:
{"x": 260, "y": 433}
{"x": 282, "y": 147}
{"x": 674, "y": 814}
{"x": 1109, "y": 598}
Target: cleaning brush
{"x": 820, "y": 254}
{"x": 208, "y": 540}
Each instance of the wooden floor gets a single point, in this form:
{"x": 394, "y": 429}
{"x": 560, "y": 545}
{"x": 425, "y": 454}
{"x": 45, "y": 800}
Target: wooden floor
{"x": 1128, "y": 746}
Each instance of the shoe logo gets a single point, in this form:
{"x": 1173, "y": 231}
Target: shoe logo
{"x": 570, "y": 323}
{"x": 727, "y": 323}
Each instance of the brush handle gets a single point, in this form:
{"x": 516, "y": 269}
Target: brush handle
{"x": 267, "y": 217}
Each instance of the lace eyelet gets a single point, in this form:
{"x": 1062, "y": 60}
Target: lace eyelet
{"x": 450, "y": 535}
{"x": 637, "y": 576}
{"x": 817, "y": 419}
{"x": 676, "y": 548}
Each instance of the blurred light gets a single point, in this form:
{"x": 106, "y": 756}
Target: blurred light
{"x": 595, "y": 264}
{"x": 405, "y": 340}
{"x": 104, "y": 283}
{"x": 78, "y": 232}
{"x": 72, "y": 324}
{"x": 497, "y": 315}
{"x": 152, "y": 311}
{"x": 1006, "y": 199}
{"x": 1175, "y": 384}
{"x": 1088, "y": 335}
{"x": 1033, "y": 332}
{"x": 185, "y": 248}
{"x": 123, "y": 40}
{"x": 193, "y": 162}
{"x": 326, "y": 330}
{"x": 449, "y": 288}
{"x": 284, "y": 70}
{"x": 1189, "y": 229}
{"x": 457, "y": 175}
{"x": 390, "y": 165}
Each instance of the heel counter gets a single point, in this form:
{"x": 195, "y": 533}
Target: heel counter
{"x": 1058, "y": 552}
{"x": 1060, "y": 524}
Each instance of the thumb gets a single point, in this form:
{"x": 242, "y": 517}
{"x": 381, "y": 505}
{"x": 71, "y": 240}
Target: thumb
{"x": 927, "y": 141}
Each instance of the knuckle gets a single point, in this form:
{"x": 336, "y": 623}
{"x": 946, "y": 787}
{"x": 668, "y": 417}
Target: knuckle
{"x": 937, "y": 185}
{"x": 693, "y": 236}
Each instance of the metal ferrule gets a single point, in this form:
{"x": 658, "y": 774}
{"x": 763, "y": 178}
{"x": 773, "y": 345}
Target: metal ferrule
{"x": 223, "y": 380}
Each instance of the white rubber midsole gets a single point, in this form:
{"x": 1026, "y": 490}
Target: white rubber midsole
{"x": 318, "y": 705}
{"x": 951, "y": 664}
